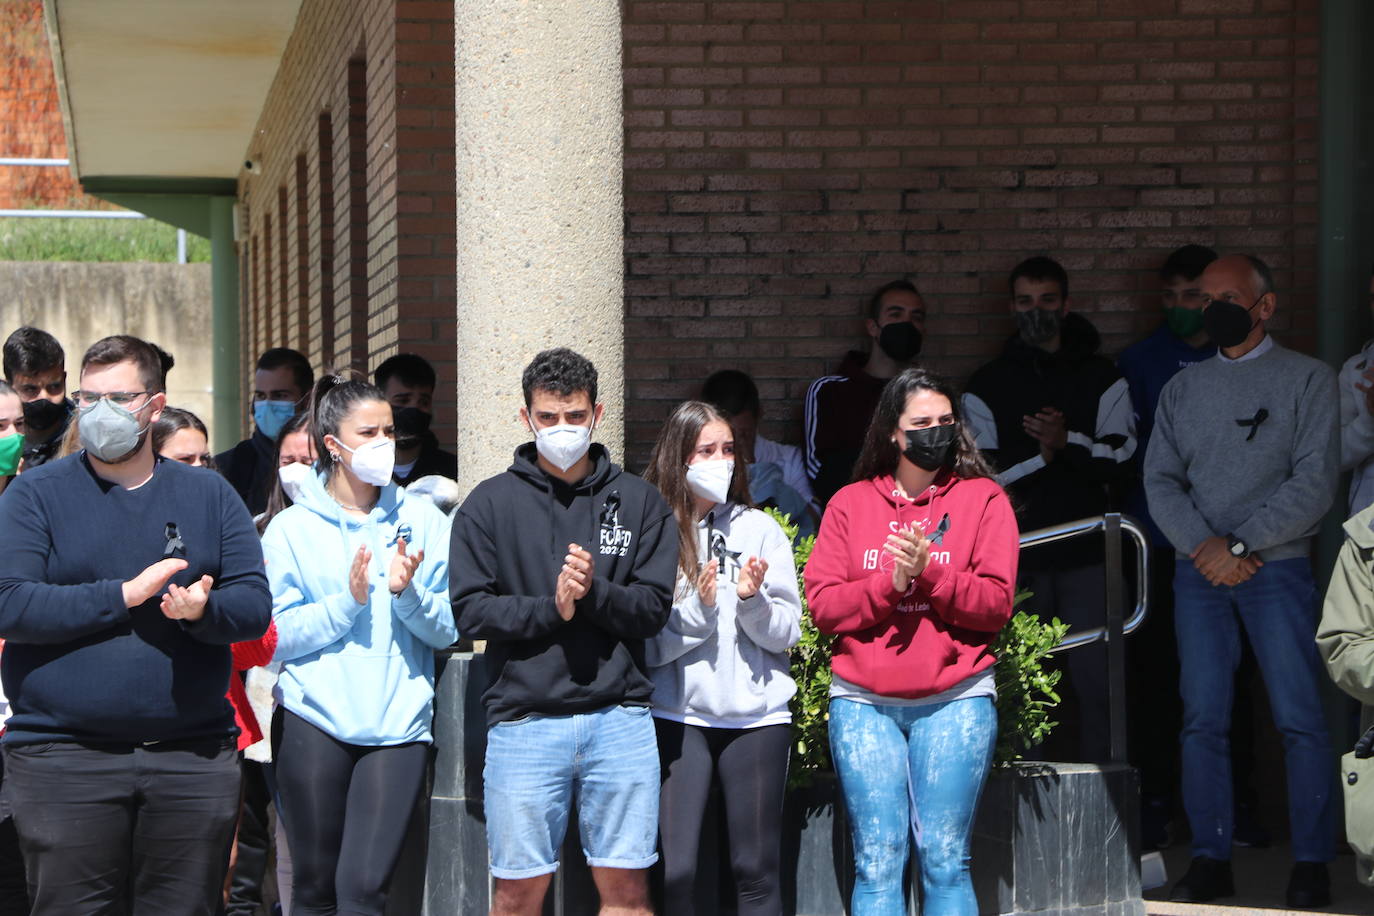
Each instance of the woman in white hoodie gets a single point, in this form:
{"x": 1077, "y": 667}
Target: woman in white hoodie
{"x": 720, "y": 668}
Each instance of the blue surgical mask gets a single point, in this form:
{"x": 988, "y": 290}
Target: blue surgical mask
{"x": 270, "y": 416}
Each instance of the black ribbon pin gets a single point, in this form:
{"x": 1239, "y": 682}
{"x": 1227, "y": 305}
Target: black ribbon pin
{"x": 176, "y": 547}
{"x": 1254, "y": 423}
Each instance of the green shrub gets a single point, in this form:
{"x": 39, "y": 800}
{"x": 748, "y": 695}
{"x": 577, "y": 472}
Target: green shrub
{"x": 57, "y": 239}
{"x": 1025, "y": 690}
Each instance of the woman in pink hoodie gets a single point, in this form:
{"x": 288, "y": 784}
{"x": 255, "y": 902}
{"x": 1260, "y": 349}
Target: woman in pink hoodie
{"x": 914, "y": 570}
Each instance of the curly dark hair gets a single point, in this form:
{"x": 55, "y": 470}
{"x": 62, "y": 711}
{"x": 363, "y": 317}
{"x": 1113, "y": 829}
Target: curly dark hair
{"x": 560, "y": 371}
{"x": 880, "y": 454}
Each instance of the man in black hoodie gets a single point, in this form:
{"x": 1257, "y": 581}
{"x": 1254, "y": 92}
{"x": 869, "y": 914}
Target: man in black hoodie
{"x": 565, "y": 565}
{"x": 1055, "y": 418}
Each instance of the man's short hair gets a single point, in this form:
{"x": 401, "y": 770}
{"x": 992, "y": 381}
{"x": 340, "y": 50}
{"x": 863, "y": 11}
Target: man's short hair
{"x": 875, "y": 301}
{"x": 287, "y": 358}
{"x": 1040, "y": 268}
{"x": 1187, "y": 263}
{"x": 560, "y": 371}
{"x": 123, "y": 348}
{"x": 1263, "y": 274}
{"x": 414, "y": 371}
{"x": 732, "y": 392}
{"x": 29, "y": 351}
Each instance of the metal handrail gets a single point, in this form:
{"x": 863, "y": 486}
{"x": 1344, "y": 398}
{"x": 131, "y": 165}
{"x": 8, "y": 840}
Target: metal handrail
{"x": 1114, "y": 631}
{"x": 1084, "y": 526}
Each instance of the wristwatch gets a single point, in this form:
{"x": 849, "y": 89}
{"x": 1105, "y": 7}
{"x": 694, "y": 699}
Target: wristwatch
{"x": 1237, "y": 547}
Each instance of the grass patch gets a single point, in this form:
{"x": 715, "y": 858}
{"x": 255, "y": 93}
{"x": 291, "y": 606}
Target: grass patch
{"x": 56, "y": 239}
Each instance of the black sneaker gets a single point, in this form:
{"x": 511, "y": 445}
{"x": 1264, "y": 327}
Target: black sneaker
{"x": 1309, "y": 886}
{"x": 1206, "y": 880}
{"x": 1247, "y": 831}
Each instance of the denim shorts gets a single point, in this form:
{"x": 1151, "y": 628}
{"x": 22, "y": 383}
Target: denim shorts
{"x": 536, "y": 766}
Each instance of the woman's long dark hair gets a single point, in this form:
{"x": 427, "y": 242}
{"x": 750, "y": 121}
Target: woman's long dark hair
{"x": 667, "y": 470}
{"x": 277, "y": 500}
{"x": 173, "y": 421}
{"x": 880, "y": 454}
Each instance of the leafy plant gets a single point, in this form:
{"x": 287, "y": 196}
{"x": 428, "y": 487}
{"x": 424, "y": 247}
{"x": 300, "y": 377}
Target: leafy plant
{"x": 56, "y": 239}
{"x": 1025, "y": 689}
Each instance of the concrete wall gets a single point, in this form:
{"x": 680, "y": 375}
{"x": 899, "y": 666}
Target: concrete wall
{"x": 79, "y": 303}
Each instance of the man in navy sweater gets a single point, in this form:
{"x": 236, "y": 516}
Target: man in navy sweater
{"x": 126, "y": 578}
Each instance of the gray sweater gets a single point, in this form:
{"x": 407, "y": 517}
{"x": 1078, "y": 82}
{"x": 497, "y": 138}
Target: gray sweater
{"x": 1248, "y": 448}
{"x": 725, "y": 665}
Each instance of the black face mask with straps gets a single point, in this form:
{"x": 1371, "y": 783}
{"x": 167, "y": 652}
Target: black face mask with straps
{"x": 931, "y": 448}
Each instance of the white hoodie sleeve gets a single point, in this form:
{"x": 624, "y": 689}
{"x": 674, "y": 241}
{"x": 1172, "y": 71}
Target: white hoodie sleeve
{"x": 690, "y": 624}
{"x": 771, "y": 618}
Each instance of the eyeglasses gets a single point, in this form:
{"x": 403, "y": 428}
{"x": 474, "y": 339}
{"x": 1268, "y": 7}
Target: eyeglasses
{"x": 118, "y": 398}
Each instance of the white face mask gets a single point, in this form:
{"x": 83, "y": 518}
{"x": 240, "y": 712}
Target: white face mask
{"x": 711, "y": 479}
{"x": 373, "y": 462}
{"x": 563, "y": 446}
{"x": 293, "y": 477}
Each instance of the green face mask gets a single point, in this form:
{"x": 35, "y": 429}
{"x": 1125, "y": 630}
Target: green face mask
{"x": 11, "y": 449}
{"x": 1183, "y": 322}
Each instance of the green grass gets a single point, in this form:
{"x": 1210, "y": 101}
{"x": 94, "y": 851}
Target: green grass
{"x": 55, "y": 239}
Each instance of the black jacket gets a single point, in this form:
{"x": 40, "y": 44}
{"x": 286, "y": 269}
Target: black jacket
{"x": 1095, "y": 401}
{"x": 432, "y": 460}
{"x": 250, "y": 467}
{"x": 509, "y": 539}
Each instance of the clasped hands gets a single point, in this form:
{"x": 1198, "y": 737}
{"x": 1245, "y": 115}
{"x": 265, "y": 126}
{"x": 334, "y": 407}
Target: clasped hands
{"x": 1213, "y": 558}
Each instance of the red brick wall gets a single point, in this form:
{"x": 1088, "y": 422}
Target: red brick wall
{"x": 30, "y": 115}
{"x": 784, "y": 157}
{"x": 349, "y": 220}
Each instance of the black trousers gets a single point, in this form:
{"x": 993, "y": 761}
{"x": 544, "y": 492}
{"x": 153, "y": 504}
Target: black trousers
{"x": 751, "y": 766}
{"x": 113, "y": 830}
{"x": 14, "y": 888}
{"x": 346, "y": 809}
{"x": 254, "y": 842}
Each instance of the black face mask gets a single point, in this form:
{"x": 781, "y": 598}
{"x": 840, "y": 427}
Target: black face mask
{"x": 411, "y": 425}
{"x": 1037, "y": 325}
{"x": 1228, "y": 323}
{"x": 900, "y": 340}
{"x": 931, "y": 448}
{"x": 44, "y": 414}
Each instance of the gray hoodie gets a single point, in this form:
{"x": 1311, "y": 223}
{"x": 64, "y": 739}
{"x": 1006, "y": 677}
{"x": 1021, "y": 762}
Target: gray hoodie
{"x": 726, "y": 666}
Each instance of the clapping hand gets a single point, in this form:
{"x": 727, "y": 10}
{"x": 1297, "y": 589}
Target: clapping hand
{"x": 574, "y": 581}
{"x": 187, "y": 603}
{"x": 910, "y": 552}
{"x": 751, "y": 577}
{"x": 403, "y": 567}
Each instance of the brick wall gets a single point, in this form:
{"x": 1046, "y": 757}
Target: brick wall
{"x": 348, "y": 219}
{"x": 30, "y": 115}
{"x": 784, "y": 157}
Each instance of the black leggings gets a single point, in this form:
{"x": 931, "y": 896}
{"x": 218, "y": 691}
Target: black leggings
{"x": 346, "y": 810}
{"x": 751, "y": 764}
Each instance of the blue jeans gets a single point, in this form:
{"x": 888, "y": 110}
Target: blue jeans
{"x": 606, "y": 759}
{"x": 1278, "y": 608}
{"x": 912, "y": 767}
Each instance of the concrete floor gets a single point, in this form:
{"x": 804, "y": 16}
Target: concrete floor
{"x": 1261, "y": 876}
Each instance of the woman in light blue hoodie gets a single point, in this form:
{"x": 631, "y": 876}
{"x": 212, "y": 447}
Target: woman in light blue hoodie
{"x": 359, "y": 578}
{"x": 720, "y": 668}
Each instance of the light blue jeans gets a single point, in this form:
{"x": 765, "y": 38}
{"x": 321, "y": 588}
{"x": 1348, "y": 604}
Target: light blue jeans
{"x": 1278, "y": 608}
{"x": 605, "y": 761}
{"x": 905, "y": 768}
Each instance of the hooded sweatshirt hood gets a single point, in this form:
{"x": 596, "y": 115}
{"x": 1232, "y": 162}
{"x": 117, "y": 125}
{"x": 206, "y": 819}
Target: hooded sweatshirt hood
{"x": 362, "y": 672}
{"x": 510, "y": 537}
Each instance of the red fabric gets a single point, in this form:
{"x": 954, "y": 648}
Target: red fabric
{"x": 249, "y": 654}
{"x": 940, "y": 630}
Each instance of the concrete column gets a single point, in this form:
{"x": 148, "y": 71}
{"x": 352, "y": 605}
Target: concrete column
{"x": 539, "y": 210}
{"x": 226, "y": 370}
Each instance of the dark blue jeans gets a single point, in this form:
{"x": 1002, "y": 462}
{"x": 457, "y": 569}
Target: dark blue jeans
{"x": 905, "y": 768}
{"x": 1278, "y": 609}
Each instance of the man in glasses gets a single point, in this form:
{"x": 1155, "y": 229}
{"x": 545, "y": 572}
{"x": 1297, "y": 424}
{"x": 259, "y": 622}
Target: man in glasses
{"x": 1240, "y": 470}
{"x": 35, "y": 367}
{"x": 124, "y": 584}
